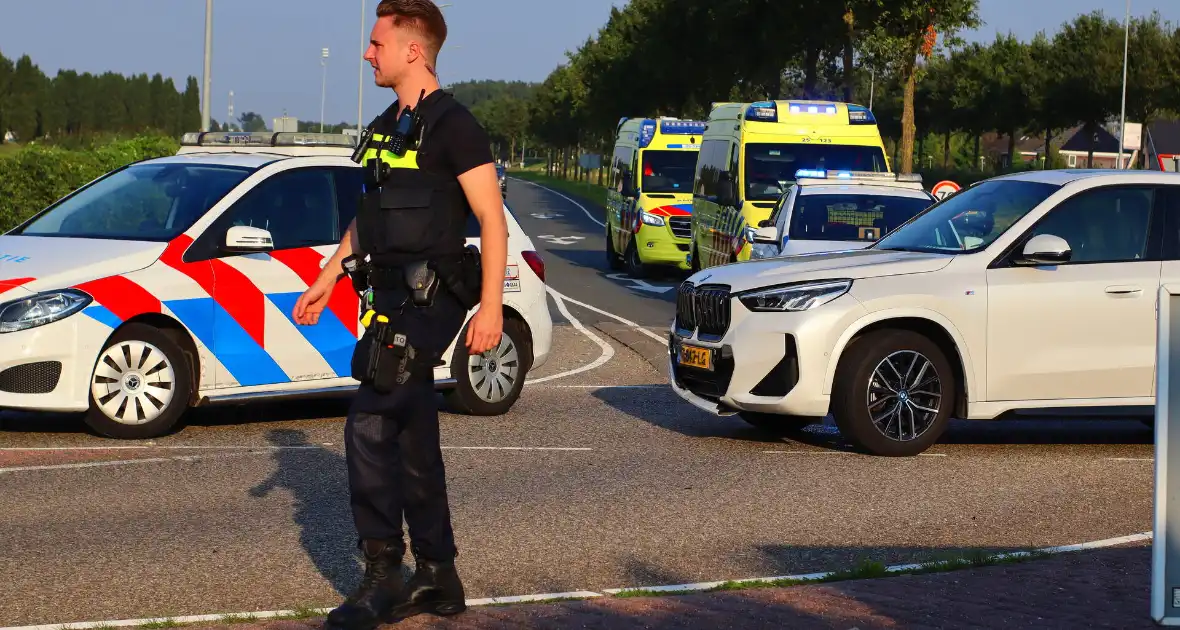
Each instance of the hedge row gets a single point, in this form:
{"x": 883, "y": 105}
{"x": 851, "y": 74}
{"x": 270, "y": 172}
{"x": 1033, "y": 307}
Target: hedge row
{"x": 38, "y": 175}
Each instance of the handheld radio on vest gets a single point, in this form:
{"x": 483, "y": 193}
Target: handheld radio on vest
{"x": 406, "y": 123}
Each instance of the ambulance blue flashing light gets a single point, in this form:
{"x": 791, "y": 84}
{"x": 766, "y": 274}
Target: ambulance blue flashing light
{"x": 647, "y": 131}
{"x": 812, "y": 173}
{"x": 682, "y": 127}
{"x": 860, "y": 115}
{"x": 763, "y": 111}
{"x": 812, "y": 108}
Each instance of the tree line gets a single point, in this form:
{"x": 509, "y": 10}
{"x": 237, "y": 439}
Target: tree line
{"x": 676, "y": 57}
{"x": 35, "y": 106}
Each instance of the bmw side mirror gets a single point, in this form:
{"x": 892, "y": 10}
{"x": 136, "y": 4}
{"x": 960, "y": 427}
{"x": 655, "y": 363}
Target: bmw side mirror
{"x": 1045, "y": 249}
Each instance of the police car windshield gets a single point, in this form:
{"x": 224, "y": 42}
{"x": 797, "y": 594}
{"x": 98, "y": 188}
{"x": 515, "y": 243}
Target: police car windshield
{"x": 143, "y": 202}
{"x": 851, "y": 217}
{"x": 771, "y": 168}
{"x": 668, "y": 171}
{"x": 970, "y": 220}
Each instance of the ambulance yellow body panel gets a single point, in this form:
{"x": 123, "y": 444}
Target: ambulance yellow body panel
{"x": 749, "y": 157}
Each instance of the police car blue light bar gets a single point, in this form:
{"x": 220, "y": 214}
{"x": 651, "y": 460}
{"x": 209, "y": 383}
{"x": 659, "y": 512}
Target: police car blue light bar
{"x": 811, "y": 172}
{"x": 682, "y": 127}
{"x": 819, "y": 173}
{"x": 266, "y": 139}
{"x": 764, "y": 111}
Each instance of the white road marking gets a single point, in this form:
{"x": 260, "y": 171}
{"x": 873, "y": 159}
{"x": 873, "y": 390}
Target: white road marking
{"x": 640, "y": 284}
{"x": 547, "y": 215}
{"x": 608, "y": 351}
{"x": 561, "y": 240}
{"x": 843, "y": 453}
{"x": 628, "y": 322}
{"x": 700, "y": 586}
{"x": 1129, "y": 459}
{"x": 153, "y": 447}
{"x": 254, "y": 452}
{"x": 580, "y": 207}
{"x": 608, "y": 387}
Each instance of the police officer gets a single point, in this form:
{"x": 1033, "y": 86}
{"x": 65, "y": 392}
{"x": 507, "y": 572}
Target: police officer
{"x": 428, "y": 164}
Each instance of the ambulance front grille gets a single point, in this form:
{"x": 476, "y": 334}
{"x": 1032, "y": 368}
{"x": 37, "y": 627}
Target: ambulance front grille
{"x": 681, "y": 226}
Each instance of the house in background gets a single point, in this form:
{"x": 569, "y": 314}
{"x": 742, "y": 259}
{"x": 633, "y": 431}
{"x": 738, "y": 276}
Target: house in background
{"x": 1162, "y": 146}
{"x": 1076, "y": 149}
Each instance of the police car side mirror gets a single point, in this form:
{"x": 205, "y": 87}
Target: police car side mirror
{"x": 246, "y": 239}
{"x": 766, "y": 235}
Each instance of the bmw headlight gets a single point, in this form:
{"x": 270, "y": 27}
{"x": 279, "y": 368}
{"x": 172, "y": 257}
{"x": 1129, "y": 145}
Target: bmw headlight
{"x": 651, "y": 219}
{"x": 797, "y": 297}
{"x": 41, "y": 309}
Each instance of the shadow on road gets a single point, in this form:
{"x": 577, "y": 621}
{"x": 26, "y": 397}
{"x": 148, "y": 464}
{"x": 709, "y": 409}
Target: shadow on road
{"x": 317, "y": 480}
{"x": 664, "y": 409}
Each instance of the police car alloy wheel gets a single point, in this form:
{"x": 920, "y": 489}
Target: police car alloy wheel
{"x": 893, "y": 393}
{"x": 489, "y": 384}
{"x": 140, "y": 385}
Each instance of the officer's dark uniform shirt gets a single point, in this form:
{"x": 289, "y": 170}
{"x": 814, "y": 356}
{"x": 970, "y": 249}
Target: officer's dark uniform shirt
{"x": 454, "y": 145}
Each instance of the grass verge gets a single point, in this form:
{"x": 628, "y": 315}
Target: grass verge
{"x": 590, "y": 192}
{"x": 868, "y": 569}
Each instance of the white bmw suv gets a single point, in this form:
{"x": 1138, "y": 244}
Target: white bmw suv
{"x": 1032, "y": 290}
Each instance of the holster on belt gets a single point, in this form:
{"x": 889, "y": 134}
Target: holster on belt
{"x": 384, "y": 357}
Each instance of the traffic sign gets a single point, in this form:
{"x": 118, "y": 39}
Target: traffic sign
{"x": 944, "y": 189}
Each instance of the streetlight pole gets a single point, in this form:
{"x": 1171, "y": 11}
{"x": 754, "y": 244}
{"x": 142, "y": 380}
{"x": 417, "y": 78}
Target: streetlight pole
{"x": 1123, "y": 114}
{"x": 360, "y": 76}
{"x": 206, "y": 98}
{"x": 324, "y": 87}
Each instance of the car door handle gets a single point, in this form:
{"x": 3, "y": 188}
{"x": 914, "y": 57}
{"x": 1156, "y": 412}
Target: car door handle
{"x": 1122, "y": 289}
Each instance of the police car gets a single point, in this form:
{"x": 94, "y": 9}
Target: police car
{"x": 170, "y": 283}
{"x": 827, "y": 211}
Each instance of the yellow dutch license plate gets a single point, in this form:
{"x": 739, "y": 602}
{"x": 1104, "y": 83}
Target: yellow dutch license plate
{"x": 692, "y": 356}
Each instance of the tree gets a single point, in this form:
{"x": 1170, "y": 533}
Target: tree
{"x": 1151, "y": 68}
{"x": 1090, "y": 62}
{"x": 905, "y": 31}
{"x": 251, "y": 121}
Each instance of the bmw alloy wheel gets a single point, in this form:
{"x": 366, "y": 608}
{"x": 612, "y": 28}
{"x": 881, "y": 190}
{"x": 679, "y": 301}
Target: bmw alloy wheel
{"x": 133, "y": 382}
{"x": 904, "y": 395}
{"x": 493, "y": 373}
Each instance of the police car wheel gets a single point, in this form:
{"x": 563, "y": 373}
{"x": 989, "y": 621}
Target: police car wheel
{"x": 893, "y": 394}
{"x": 141, "y": 384}
{"x": 489, "y": 384}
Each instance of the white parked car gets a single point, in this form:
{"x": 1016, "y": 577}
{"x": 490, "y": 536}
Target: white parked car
{"x": 827, "y": 211}
{"x": 149, "y": 291}
{"x": 1032, "y": 290}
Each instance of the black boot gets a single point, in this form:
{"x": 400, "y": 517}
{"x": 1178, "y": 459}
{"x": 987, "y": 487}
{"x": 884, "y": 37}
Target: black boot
{"x": 380, "y": 590}
{"x": 435, "y": 589}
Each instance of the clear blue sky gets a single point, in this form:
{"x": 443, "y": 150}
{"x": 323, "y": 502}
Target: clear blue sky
{"x": 268, "y": 51}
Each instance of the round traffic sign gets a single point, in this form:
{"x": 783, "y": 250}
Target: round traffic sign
{"x": 944, "y": 189}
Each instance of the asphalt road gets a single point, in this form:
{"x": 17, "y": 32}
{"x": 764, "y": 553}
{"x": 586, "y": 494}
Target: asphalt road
{"x": 572, "y": 241}
{"x": 599, "y": 479}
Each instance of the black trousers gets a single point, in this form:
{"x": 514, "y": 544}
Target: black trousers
{"x": 392, "y": 443}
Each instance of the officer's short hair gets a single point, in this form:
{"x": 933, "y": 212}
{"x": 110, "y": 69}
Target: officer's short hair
{"x": 422, "y": 16}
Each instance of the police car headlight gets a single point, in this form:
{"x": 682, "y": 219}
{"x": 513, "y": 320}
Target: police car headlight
{"x": 797, "y": 297}
{"x": 651, "y": 219}
{"x": 41, "y": 309}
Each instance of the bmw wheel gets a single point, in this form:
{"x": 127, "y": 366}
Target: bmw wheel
{"x": 141, "y": 384}
{"x": 893, "y": 394}
{"x": 488, "y": 384}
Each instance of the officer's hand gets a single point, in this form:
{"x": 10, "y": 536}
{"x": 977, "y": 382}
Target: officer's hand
{"x": 484, "y": 332}
{"x": 312, "y": 303}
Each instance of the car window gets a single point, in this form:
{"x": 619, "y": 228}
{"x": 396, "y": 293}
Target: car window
{"x": 851, "y": 217}
{"x": 350, "y": 182}
{"x": 1109, "y": 224}
{"x": 298, "y": 207}
{"x": 970, "y": 220}
{"x": 1168, "y": 203}
{"x": 147, "y": 201}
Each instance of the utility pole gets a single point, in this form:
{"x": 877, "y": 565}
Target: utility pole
{"x": 360, "y": 77}
{"x": 206, "y": 99}
{"x": 1123, "y": 115}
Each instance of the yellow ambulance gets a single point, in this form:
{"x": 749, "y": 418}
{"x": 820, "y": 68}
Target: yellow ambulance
{"x": 749, "y": 158}
{"x": 649, "y": 202}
